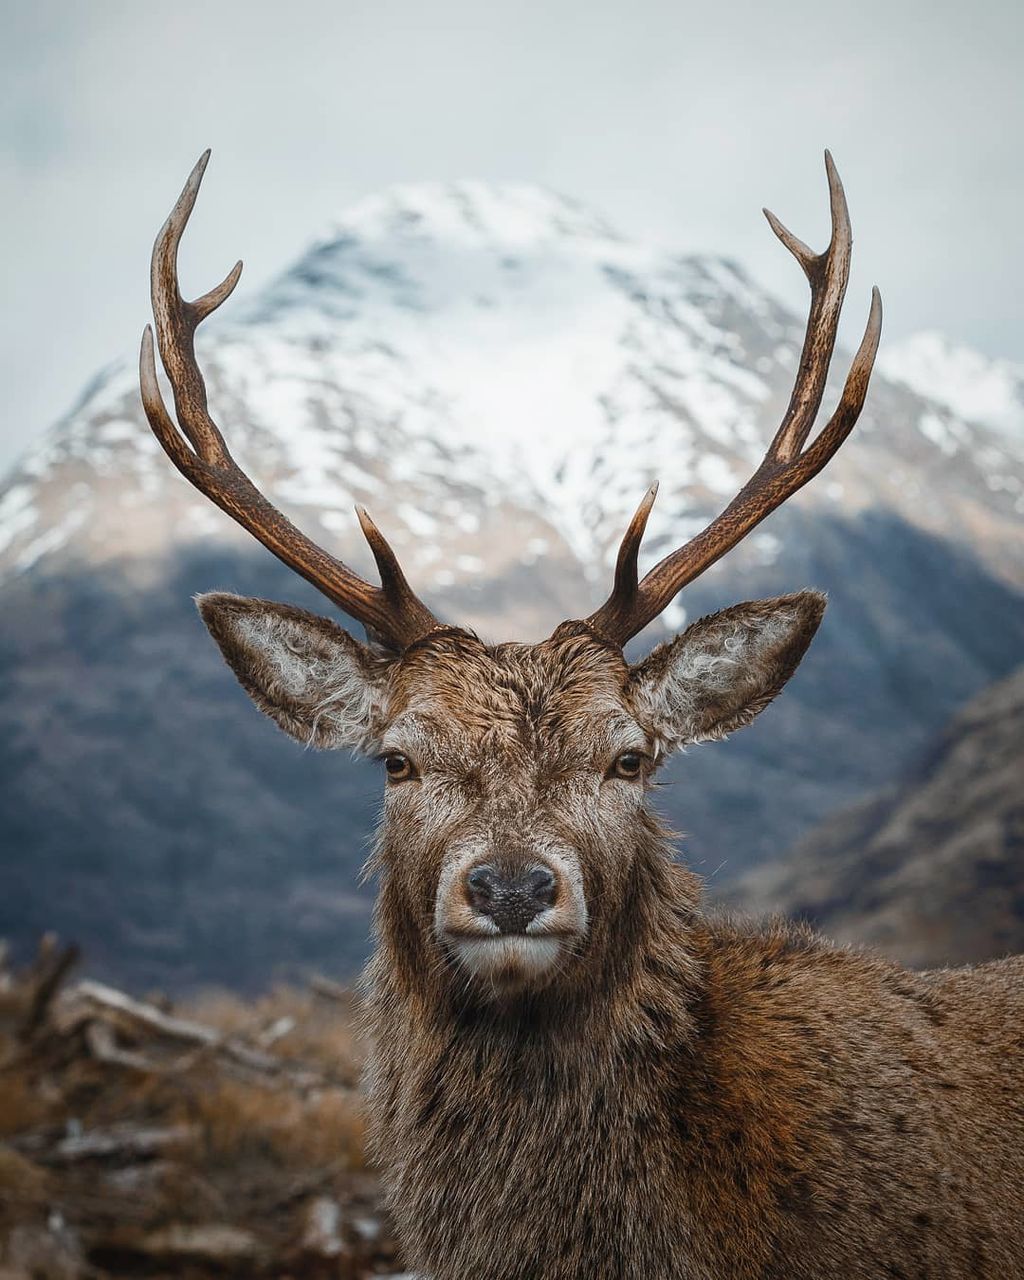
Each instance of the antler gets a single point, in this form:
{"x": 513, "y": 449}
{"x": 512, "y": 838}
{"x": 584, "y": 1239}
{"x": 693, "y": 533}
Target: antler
{"x": 787, "y": 465}
{"x": 390, "y": 612}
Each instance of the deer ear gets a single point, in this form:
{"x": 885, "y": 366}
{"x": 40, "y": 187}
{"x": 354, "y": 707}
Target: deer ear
{"x": 321, "y": 686}
{"x": 724, "y": 669}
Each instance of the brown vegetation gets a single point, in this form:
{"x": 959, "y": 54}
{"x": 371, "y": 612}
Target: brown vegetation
{"x": 141, "y": 1139}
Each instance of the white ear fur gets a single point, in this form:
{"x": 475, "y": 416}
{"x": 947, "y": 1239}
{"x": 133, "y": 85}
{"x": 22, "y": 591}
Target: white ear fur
{"x": 319, "y": 684}
{"x": 723, "y": 670}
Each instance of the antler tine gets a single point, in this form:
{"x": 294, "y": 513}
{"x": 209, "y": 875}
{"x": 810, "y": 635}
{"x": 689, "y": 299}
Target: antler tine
{"x": 827, "y": 274}
{"x": 787, "y": 465}
{"x": 626, "y": 584}
{"x": 390, "y": 612}
{"x": 855, "y": 391}
{"x": 177, "y": 320}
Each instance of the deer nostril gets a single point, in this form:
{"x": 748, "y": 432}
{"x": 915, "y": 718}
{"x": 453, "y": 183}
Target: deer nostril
{"x": 542, "y": 885}
{"x": 482, "y": 884}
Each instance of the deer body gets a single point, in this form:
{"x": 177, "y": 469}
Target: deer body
{"x": 576, "y": 1074}
{"x": 752, "y": 1104}
{"x": 690, "y": 1099}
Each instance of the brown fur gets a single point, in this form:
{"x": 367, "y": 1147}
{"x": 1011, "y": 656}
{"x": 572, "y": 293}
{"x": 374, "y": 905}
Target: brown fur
{"x": 677, "y": 1097}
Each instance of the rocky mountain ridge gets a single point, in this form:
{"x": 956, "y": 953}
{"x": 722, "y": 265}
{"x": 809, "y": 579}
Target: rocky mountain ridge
{"x": 930, "y": 870}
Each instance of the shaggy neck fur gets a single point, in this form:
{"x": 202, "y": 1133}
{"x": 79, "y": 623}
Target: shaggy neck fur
{"x": 526, "y": 1104}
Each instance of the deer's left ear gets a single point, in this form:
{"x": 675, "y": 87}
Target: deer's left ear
{"x": 724, "y": 669}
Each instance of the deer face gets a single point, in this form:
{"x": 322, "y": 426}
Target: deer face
{"x": 515, "y": 776}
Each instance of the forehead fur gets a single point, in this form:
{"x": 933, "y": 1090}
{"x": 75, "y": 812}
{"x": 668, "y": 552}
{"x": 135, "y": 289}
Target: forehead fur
{"x": 554, "y": 687}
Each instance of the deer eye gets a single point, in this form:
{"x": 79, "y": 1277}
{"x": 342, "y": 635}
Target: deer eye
{"x": 398, "y": 767}
{"x": 629, "y": 766}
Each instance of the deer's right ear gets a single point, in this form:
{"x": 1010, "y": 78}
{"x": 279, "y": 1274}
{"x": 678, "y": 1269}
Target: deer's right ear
{"x": 321, "y": 686}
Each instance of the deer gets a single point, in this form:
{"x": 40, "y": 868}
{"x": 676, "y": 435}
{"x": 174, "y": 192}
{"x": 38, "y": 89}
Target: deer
{"x": 577, "y": 1070}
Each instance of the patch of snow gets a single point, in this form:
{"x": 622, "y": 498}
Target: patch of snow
{"x": 766, "y": 546}
{"x": 51, "y": 540}
{"x": 716, "y": 474}
{"x": 933, "y": 428}
{"x": 674, "y": 616}
{"x": 970, "y": 384}
{"x": 17, "y": 513}
{"x": 419, "y": 523}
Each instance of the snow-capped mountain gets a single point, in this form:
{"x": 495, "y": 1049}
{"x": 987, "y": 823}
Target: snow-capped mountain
{"x": 967, "y": 383}
{"x": 498, "y": 376}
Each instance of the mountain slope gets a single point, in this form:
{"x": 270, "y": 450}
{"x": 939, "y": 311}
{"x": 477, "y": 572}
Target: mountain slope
{"x": 493, "y": 369}
{"x": 963, "y": 381}
{"x": 930, "y": 871}
{"x": 498, "y": 376}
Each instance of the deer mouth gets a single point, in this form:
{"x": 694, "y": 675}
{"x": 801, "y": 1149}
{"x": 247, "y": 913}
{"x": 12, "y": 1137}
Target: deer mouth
{"x": 507, "y": 960}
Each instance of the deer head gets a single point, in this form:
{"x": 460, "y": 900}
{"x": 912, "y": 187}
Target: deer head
{"x": 514, "y": 819}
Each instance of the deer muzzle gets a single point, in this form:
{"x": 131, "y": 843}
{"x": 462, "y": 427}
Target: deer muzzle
{"x": 510, "y": 919}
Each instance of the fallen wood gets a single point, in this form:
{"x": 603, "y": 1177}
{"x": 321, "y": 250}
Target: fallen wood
{"x": 329, "y": 989}
{"x": 108, "y": 999}
{"x": 184, "y": 1248}
{"x": 182, "y": 1144}
{"x": 103, "y": 1046}
{"x": 127, "y": 1142}
{"x": 276, "y": 1031}
{"x": 102, "y": 1001}
{"x": 54, "y": 967}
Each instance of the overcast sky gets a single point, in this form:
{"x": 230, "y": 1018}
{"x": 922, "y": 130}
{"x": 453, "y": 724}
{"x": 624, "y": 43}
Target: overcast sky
{"x": 676, "y": 120}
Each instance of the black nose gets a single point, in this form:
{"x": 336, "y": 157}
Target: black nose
{"x": 511, "y": 901}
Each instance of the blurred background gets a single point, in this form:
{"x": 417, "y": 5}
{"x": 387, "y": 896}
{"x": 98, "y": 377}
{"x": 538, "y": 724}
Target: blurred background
{"x": 505, "y": 267}
{"x": 508, "y": 266}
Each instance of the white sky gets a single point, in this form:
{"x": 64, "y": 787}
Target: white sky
{"x": 676, "y": 120}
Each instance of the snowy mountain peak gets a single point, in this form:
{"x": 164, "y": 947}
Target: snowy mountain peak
{"x": 499, "y": 377}
{"x": 511, "y": 215}
{"x": 457, "y": 247}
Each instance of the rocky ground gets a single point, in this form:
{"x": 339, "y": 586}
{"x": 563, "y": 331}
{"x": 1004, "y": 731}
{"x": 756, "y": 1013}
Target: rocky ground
{"x": 138, "y": 1138}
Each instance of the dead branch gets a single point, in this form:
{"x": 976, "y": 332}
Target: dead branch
{"x": 329, "y": 989}
{"x": 92, "y": 1002}
{"x": 127, "y": 1143}
{"x": 277, "y": 1030}
{"x": 102, "y": 1045}
{"x": 51, "y": 968}
{"x": 107, "y": 1000}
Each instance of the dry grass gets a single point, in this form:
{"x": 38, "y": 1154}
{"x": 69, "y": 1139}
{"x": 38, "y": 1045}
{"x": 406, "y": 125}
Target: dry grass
{"x": 236, "y": 1118}
{"x": 245, "y": 1152}
{"x": 22, "y": 1184}
{"x": 323, "y": 1033}
{"x": 238, "y": 1121}
{"x": 24, "y": 1105}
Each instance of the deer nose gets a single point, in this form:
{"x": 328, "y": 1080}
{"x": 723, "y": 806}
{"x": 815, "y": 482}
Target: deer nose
{"x": 511, "y": 901}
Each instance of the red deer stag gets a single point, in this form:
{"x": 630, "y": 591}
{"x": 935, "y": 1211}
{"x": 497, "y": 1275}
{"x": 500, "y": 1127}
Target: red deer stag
{"x": 576, "y": 1072}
